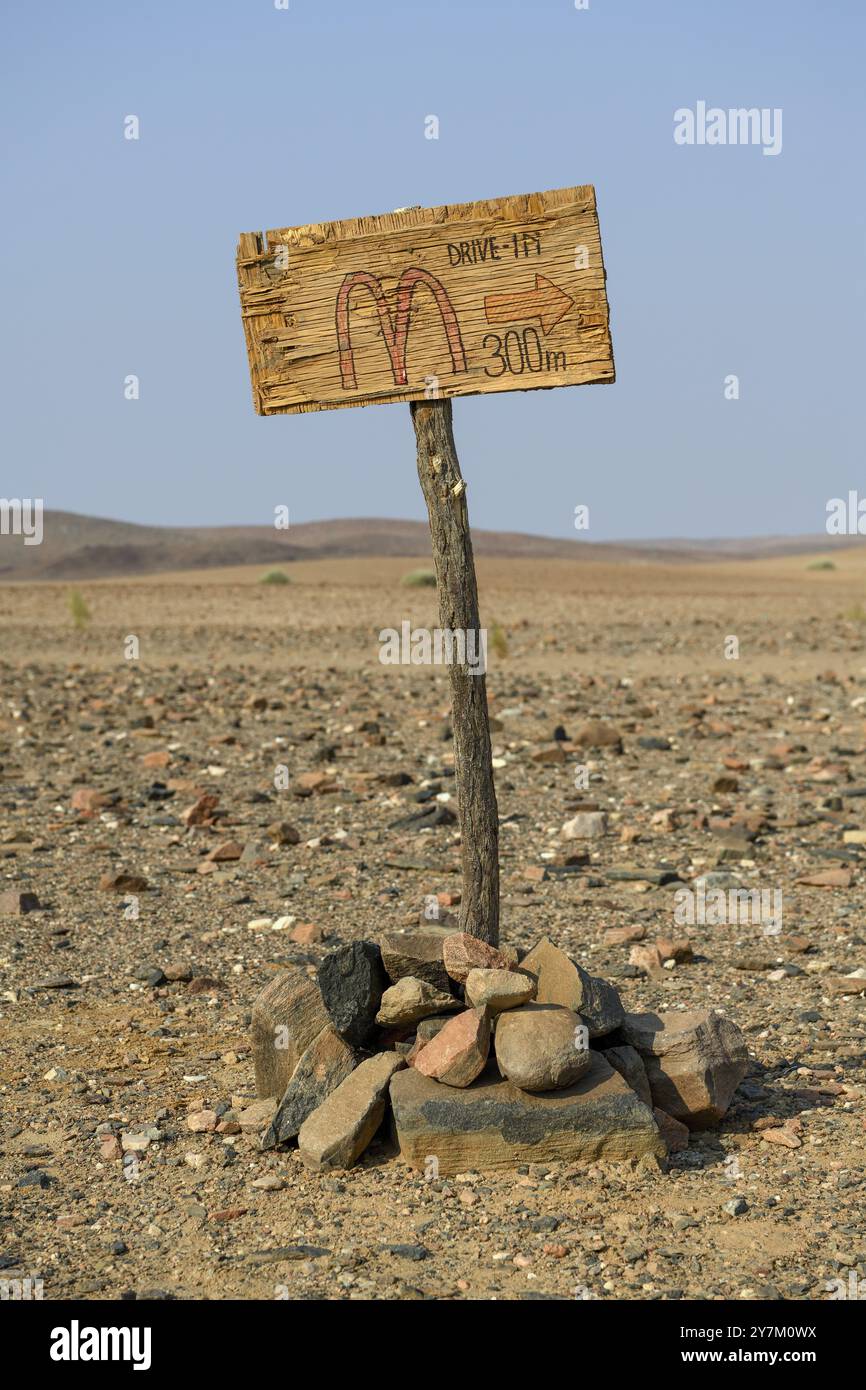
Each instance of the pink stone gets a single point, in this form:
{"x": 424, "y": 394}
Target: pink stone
{"x": 203, "y": 1121}
{"x": 459, "y": 1051}
{"x": 462, "y": 953}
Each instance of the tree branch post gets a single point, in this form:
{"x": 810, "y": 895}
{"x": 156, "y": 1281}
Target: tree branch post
{"x": 445, "y": 494}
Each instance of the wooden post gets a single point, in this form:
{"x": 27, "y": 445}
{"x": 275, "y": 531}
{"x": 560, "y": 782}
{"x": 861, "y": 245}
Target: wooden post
{"x": 445, "y": 494}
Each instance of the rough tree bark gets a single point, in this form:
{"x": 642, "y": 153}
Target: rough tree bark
{"x": 445, "y": 494}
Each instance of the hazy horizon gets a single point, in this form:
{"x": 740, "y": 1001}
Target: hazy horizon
{"x": 580, "y": 538}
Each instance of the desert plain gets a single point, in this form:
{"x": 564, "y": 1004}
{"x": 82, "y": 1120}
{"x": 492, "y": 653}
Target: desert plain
{"x": 126, "y": 994}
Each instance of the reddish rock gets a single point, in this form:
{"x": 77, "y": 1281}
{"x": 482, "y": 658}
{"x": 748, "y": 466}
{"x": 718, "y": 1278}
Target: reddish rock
{"x": 309, "y": 783}
{"x": 648, "y": 959}
{"x": 462, "y": 953}
{"x": 202, "y": 1121}
{"x": 782, "y": 1136}
{"x": 459, "y": 1051}
{"x": 305, "y": 933}
{"x": 225, "y": 853}
{"x": 201, "y": 811}
{"x": 671, "y": 948}
{"x": 797, "y": 945}
{"x": 89, "y": 799}
{"x": 160, "y": 757}
{"x": 828, "y": 878}
{"x": 122, "y": 883}
{"x": 675, "y": 1134}
{"x": 177, "y": 971}
{"x": 624, "y": 936}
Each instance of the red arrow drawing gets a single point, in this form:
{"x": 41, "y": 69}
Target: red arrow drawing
{"x": 547, "y": 303}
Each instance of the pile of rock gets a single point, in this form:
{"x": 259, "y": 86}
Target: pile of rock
{"x": 486, "y": 1060}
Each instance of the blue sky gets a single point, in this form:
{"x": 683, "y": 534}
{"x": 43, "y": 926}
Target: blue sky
{"x": 118, "y": 256}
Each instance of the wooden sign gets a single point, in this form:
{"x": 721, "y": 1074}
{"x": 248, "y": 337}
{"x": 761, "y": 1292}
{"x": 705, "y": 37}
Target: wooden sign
{"x": 505, "y": 295}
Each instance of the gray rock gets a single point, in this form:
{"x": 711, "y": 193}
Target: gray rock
{"x": 429, "y": 1027}
{"x": 626, "y": 1060}
{"x": 417, "y": 952}
{"x": 324, "y": 1065}
{"x": 586, "y": 825}
{"x": 737, "y": 1206}
{"x": 352, "y": 980}
{"x": 694, "y": 1062}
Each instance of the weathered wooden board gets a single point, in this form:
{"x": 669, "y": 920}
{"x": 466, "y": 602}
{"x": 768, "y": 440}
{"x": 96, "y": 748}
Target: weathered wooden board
{"x": 504, "y": 295}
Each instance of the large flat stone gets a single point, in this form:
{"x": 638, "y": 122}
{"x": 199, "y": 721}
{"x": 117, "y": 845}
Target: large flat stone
{"x": 493, "y": 1125}
{"x": 286, "y": 1017}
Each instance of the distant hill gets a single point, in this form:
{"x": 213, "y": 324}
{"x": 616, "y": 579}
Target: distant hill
{"x": 84, "y": 547}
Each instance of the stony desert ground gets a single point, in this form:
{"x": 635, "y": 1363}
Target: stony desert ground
{"x": 126, "y": 1007}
